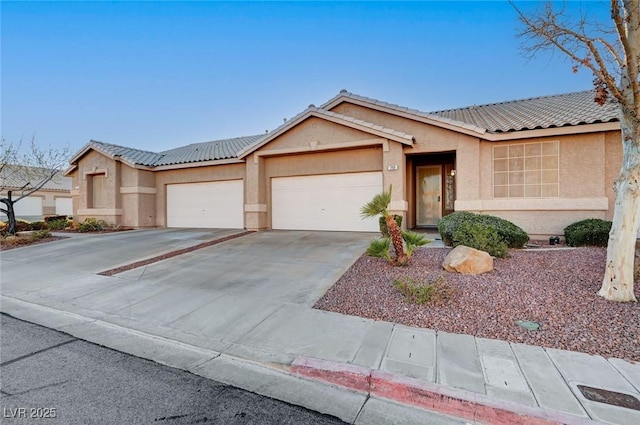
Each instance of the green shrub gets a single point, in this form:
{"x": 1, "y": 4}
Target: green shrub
{"x": 379, "y": 248}
{"x": 92, "y": 225}
{"x": 40, "y": 234}
{"x": 413, "y": 240}
{"x": 513, "y": 235}
{"x": 383, "y": 224}
{"x": 435, "y": 292}
{"x": 589, "y": 232}
{"x": 58, "y": 223}
{"x": 481, "y": 236}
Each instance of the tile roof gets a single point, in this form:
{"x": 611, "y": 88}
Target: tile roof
{"x": 207, "y": 151}
{"x": 196, "y": 152}
{"x": 15, "y": 177}
{"x": 403, "y": 109}
{"x": 132, "y": 155}
{"x": 525, "y": 114}
{"x": 535, "y": 113}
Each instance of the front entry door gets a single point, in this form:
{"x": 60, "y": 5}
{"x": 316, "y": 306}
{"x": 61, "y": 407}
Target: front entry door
{"x": 429, "y": 195}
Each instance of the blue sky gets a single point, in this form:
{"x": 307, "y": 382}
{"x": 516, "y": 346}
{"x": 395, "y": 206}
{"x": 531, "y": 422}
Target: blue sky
{"x": 157, "y": 75}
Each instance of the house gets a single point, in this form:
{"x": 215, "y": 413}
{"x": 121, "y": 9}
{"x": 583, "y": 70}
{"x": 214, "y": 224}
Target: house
{"x": 54, "y": 198}
{"x": 542, "y": 163}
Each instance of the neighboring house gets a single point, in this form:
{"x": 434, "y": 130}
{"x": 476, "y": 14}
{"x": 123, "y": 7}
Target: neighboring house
{"x": 542, "y": 163}
{"x": 53, "y": 199}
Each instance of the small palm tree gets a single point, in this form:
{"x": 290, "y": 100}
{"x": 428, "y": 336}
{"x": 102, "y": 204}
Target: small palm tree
{"x": 379, "y": 205}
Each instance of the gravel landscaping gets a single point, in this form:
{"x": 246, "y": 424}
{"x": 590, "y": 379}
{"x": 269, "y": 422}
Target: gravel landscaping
{"x": 556, "y": 288}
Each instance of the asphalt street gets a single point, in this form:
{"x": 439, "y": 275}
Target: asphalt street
{"x": 48, "y": 377}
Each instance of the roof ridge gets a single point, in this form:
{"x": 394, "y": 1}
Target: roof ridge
{"x": 121, "y": 146}
{"x": 212, "y": 141}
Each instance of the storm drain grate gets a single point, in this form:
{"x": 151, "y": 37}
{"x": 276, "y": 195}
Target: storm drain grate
{"x": 610, "y": 397}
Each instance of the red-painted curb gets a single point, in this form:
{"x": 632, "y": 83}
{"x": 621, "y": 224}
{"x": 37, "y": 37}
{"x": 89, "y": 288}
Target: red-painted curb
{"x": 346, "y": 375}
{"x": 434, "y": 397}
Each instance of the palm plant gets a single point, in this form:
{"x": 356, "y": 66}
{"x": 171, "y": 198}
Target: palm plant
{"x": 379, "y": 205}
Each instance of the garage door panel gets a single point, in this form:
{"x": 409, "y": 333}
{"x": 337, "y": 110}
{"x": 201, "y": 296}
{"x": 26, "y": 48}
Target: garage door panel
{"x": 206, "y": 205}
{"x": 324, "y": 202}
{"x": 64, "y": 206}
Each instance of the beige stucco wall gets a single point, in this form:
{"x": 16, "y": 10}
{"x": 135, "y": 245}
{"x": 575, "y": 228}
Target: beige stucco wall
{"x": 582, "y": 176}
{"x": 190, "y": 175}
{"x": 613, "y": 164}
{"x": 94, "y": 163}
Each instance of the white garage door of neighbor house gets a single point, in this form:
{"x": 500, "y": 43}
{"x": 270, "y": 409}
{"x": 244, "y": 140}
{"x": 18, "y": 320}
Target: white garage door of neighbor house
{"x": 324, "y": 202}
{"x": 206, "y": 205}
{"x": 31, "y": 206}
{"x": 64, "y": 206}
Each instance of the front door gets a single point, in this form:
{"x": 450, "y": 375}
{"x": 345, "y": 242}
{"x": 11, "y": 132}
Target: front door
{"x": 429, "y": 195}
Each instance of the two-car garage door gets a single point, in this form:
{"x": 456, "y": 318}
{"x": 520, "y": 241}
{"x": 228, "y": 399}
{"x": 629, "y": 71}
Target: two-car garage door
{"x": 324, "y": 202}
{"x": 206, "y": 205}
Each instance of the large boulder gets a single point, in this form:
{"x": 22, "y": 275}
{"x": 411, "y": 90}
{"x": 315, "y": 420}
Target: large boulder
{"x": 465, "y": 260}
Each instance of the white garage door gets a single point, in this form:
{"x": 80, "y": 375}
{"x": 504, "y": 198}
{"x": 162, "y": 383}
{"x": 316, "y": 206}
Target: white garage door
{"x": 324, "y": 202}
{"x": 64, "y": 206}
{"x": 206, "y": 205}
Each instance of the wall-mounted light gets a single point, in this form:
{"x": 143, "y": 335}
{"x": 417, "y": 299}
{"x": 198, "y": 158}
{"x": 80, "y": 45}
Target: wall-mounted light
{"x": 453, "y": 173}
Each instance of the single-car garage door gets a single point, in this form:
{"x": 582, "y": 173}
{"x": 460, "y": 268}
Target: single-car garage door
{"x": 206, "y": 205}
{"x": 324, "y": 202}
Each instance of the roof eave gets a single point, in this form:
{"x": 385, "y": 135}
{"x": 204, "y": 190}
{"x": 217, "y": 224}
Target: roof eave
{"x": 552, "y": 131}
{"x": 198, "y": 164}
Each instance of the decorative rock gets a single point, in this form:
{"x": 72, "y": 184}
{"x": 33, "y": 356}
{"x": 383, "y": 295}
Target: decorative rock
{"x": 465, "y": 260}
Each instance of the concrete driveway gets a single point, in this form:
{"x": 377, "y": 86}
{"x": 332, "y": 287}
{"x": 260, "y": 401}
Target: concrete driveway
{"x": 234, "y": 295}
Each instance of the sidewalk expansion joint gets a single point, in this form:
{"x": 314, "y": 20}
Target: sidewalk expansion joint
{"x": 171, "y": 254}
{"x": 430, "y": 396}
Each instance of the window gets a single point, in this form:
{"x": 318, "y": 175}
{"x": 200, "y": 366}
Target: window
{"x": 528, "y": 170}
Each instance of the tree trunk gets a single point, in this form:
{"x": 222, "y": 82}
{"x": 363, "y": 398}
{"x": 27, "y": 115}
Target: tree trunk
{"x": 396, "y": 240}
{"x": 617, "y": 284}
{"x": 10, "y": 212}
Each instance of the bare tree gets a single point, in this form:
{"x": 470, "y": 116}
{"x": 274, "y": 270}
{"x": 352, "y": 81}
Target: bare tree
{"x": 22, "y": 174}
{"x": 611, "y": 51}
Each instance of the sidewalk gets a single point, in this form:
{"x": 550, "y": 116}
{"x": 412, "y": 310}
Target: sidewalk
{"x": 350, "y": 367}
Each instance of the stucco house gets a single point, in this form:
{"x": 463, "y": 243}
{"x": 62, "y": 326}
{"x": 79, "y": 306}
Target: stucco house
{"x": 542, "y": 163}
{"x": 54, "y": 198}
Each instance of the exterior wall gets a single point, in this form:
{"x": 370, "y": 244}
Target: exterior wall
{"x": 95, "y": 163}
{"x": 613, "y": 164}
{"x": 582, "y": 177}
{"x": 138, "y": 197}
{"x": 188, "y": 175}
{"x": 313, "y": 147}
{"x": 588, "y": 165}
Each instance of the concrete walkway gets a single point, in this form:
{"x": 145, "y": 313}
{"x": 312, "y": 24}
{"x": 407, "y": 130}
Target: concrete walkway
{"x": 239, "y": 312}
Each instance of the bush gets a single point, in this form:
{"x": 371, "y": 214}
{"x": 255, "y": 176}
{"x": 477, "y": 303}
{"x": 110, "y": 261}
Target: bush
{"x": 92, "y": 225}
{"x": 55, "y": 218}
{"x": 513, "y": 235}
{"x": 379, "y": 248}
{"x": 383, "y": 224}
{"x": 23, "y": 226}
{"x": 589, "y": 232}
{"x": 38, "y": 225}
{"x": 40, "y": 234}
{"x": 435, "y": 292}
{"x": 480, "y": 236}
{"x": 58, "y": 223}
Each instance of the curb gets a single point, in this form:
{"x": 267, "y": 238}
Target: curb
{"x": 430, "y": 396}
